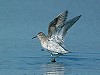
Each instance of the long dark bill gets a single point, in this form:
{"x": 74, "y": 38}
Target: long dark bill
{"x": 34, "y": 37}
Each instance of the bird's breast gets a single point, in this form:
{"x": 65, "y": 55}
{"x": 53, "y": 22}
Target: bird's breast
{"x": 44, "y": 44}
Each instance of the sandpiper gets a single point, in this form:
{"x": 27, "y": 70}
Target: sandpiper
{"x": 58, "y": 27}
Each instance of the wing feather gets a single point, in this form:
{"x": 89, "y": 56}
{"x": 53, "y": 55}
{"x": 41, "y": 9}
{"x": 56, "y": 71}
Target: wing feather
{"x": 59, "y": 27}
{"x": 57, "y": 23}
{"x": 68, "y": 24}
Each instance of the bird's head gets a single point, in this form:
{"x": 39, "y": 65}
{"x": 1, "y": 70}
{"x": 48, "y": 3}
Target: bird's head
{"x": 40, "y": 36}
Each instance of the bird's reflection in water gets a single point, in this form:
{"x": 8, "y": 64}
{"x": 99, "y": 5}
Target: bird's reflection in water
{"x": 54, "y": 69}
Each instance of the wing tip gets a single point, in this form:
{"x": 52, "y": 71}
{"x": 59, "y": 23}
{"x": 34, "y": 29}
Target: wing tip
{"x": 66, "y": 11}
{"x": 79, "y": 16}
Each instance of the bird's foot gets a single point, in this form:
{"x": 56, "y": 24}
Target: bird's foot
{"x": 53, "y": 60}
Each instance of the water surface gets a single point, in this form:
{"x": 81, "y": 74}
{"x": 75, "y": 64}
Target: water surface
{"x": 20, "y": 20}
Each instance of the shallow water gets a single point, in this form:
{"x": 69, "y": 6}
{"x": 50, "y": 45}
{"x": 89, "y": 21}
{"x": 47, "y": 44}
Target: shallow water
{"x": 20, "y": 20}
{"x": 28, "y": 62}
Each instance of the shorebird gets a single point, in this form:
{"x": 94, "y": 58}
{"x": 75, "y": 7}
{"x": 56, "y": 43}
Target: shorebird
{"x": 54, "y": 41}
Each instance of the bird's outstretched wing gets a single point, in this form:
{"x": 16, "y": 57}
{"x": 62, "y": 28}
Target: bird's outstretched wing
{"x": 57, "y": 23}
{"x": 68, "y": 24}
{"x": 59, "y": 27}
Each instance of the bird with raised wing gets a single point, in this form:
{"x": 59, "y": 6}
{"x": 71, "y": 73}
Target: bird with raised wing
{"x": 54, "y": 41}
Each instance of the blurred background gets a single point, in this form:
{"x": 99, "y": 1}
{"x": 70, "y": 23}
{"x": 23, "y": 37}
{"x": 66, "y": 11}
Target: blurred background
{"x": 20, "y": 20}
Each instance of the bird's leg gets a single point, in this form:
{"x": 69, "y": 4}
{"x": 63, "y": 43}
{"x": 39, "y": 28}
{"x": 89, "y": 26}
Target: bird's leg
{"x": 57, "y": 55}
{"x": 53, "y": 58}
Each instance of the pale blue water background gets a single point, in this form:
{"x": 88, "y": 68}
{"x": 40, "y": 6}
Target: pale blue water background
{"x": 20, "y": 20}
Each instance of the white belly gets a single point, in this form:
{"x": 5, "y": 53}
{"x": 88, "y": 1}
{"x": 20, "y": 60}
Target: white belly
{"x": 44, "y": 44}
{"x": 55, "y": 48}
